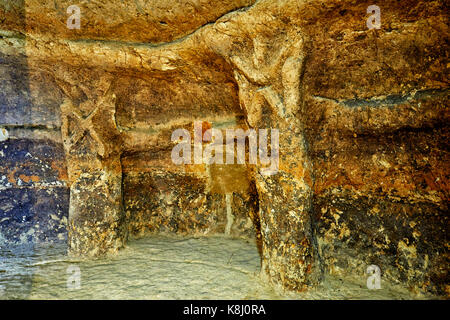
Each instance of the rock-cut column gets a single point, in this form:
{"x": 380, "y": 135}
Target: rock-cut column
{"x": 92, "y": 146}
{"x": 268, "y": 60}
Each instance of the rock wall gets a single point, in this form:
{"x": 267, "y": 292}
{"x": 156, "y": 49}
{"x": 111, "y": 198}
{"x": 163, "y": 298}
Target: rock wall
{"x": 362, "y": 115}
{"x": 34, "y": 197}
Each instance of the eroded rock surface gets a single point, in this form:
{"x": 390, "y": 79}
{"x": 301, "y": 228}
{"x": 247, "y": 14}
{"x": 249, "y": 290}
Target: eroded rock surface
{"x": 362, "y": 115}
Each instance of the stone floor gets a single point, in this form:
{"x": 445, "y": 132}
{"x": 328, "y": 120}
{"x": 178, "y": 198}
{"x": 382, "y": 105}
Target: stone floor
{"x": 162, "y": 267}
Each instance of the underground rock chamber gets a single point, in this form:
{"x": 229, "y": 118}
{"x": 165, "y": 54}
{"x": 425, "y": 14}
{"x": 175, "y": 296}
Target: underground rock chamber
{"x": 362, "y": 178}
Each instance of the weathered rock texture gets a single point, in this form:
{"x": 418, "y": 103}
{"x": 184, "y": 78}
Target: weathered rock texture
{"x": 362, "y": 114}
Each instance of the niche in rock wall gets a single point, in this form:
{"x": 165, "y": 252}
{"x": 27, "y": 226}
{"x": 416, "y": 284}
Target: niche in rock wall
{"x": 193, "y": 199}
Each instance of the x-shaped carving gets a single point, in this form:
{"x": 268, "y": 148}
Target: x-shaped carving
{"x": 84, "y": 125}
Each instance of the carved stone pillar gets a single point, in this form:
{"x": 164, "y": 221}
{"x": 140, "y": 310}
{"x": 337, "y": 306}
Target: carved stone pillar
{"x": 268, "y": 70}
{"x": 92, "y": 144}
